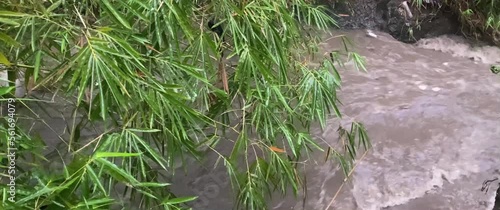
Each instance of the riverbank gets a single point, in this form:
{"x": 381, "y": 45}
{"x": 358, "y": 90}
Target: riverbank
{"x": 409, "y": 20}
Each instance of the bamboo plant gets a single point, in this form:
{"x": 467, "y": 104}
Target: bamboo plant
{"x": 166, "y": 86}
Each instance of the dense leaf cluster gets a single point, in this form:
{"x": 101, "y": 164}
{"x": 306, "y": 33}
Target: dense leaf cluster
{"x": 163, "y": 87}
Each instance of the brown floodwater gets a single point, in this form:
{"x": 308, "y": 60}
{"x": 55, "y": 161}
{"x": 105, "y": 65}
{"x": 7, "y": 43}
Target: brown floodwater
{"x": 432, "y": 111}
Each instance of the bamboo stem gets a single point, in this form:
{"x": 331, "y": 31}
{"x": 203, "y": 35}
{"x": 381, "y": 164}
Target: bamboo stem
{"x": 407, "y": 8}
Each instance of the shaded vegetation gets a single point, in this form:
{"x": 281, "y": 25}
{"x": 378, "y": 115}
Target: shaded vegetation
{"x": 480, "y": 18}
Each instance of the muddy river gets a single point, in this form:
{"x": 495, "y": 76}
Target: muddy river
{"x": 432, "y": 110}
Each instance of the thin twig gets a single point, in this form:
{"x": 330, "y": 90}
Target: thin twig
{"x": 345, "y": 180}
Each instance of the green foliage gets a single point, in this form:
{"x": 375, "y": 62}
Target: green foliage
{"x": 146, "y": 72}
{"x": 479, "y": 17}
{"x": 491, "y": 10}
{"x": 495, "y": 69}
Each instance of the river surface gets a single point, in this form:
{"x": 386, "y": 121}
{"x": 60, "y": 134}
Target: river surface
{"x": 432, "y": 111}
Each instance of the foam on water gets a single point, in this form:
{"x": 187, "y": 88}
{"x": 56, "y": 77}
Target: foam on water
{"x": 396, "y": 185}
{"x": 458, "y": 46}
{"x": 402, "y": 187}
{"x": 433, "y": 150}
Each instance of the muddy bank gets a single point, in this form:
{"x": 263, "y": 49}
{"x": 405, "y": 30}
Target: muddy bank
{"x": 402, "y": 19}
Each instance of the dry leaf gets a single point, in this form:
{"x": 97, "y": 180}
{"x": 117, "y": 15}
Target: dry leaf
{"x": 139, "y": 73}
{"x": 276, "y": 149}
{"x": 152, "y": 48}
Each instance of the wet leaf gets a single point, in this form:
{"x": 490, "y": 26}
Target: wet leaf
{"x": 495, "y": 69}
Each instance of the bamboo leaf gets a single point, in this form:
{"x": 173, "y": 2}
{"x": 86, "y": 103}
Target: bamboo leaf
{"x": 179, "y": 200}
{"x": 117, "y": 173}
{"x": 12, "y": 14}
{"x": 115, "y": 154}
{"x": 6, "y": 90}
{"x": 38, "y": 59}
{"x": 95, "y": 202}
{"x": 8, "y": 40}
{"x": 9, "y": 22}
{"x": 144, "y": 130}
{"x": 152, "y": 184}
{"x": 95, "y": 179}
{"x": 4, "y": 60}
{"x": 53, "y": 6}
{"x": 110, "y": 8}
